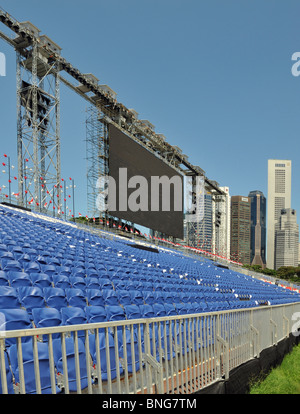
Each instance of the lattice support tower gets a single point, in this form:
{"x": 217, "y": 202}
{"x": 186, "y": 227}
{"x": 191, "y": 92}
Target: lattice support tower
{"x": 38, "y": 125}
{"x": 96, "y": 156}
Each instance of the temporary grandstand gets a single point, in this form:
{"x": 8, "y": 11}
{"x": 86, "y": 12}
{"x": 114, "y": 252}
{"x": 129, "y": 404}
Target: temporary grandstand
{"x": 94, "y": 313}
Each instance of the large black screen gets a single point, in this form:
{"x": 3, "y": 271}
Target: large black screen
{"x": 147, "y": 192}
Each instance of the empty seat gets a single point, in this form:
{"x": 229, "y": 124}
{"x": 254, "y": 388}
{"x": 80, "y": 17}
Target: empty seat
{"x": 77, "y": 282}
{"x": 92, "y": 283}
{"x": 72, "y": 315}
{"x": 110, "y": 297}
{"x": 31, "y": 297}
{"x": 75, "y": 297}
{"x": 3, "y": 278}
{"x": 71, "y": 362}
{"x": 136, "y": 297}
{"x": 29, "y": 368}
{"x": 106, "y": 354}
{"x": 95, "y": 314}
{"x": 18, "y": 279}
{"x": 124, "y": 297}
{"x": 9, "y": 298}
{"x": 61, "y": 281}
{"x": 95, "y": 297}
{"x": 132, "y": 312}
{"x": 55, "y": 297}
{"x": 14, "y": 319}
{"x": 46, "y": 317}
{"x": 40, "y": 280}
{"x": 115, "y": 313}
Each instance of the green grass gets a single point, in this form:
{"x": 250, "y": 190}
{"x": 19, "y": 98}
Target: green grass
{"x": 284, "y": 379}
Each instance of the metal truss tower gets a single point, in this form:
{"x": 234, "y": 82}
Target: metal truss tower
{"x": 38, "y": 123}
{"x": 97, "y": 156}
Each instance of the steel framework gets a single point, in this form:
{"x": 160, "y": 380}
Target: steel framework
{"x": 40, "y": 144}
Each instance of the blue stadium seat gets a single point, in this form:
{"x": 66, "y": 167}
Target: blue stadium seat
{"x": 95, "y": 297}
{"x": 18, "y": 279}
{"x": 3, "y": 278}
{"x": 9, "y": 298}
{"x": 15, "y": 319}
{"x": 71, "y": 365}
{"x": 124, "y": 297}
{"x": 110, "y": 297}
{"x": 29, "y": 369}
{"x": 136, "y": 297}
{"x": 92, "y": 283}
{"x": 77, "y": 282}
{"x": 115, "y": 313}
{"x": 46, "y": 317}
{"x": 40, "y": 280}
{"x": 61, "y": 281}
{"x": 55, "y": 297}
{"x": 105, "y": 354}
{"x": 31, "y": 297}
{"x": 75, "y": 297}
{"x": 95, "y": 314}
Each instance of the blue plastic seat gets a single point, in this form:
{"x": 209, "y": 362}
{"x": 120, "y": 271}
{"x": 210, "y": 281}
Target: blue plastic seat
{"x": 71, "y": 366}
{"x": 131, "y": 343}
{"x": 110, "y": 297}
{"x": 72, "y": 315}
{"x": 29, "y": 369}
{"x": 46, "y": 317}
{"x": 105, "y": 354}
{"x": 136, "y": 297}
{"x": 18, "y": 279}
{"x": 75, "y": 297}
{"x": 95, "y": 314}
{"x": 9, "y": 298}
{"x": 55, "y": 297}
{"x": 115, "y": 313}
{"x": 124, "y": 297}
{"x": 31, "y": 297}
{"x": 77, "y": 282}
{"x": 32, "y": 267}
{"x": 15, "y": 319}
{"x": 132, "y": 312}
{"x": 61, "y": 281}
{"x": 40, "y": 280}
{"x": 147, "y": 311}
{"x": 3, "y": 278}
{"x": 12, "y": 266}
{"x": 92, "y": 283}
{"x": 95, "y": 297}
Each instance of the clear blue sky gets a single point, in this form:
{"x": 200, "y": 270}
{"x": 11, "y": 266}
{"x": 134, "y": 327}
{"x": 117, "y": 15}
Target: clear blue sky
{"x": 213, "y": 76}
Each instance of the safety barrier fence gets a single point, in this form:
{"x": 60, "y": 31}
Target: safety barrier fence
{"x": 176, "y": 354}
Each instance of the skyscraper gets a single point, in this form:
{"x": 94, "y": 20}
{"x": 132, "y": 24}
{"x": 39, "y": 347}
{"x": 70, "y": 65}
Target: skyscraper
{"x": 240, "y": 229}
{"x": 279, "y": 197}
{"x": 258, "y": 228}
{"x": 287, "y": 239}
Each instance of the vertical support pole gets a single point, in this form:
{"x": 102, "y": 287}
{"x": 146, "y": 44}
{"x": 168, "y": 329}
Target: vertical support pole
{"x": 35, "y": 131}
{"x": 57, "y": 130}
{"x": 21, "y": 172}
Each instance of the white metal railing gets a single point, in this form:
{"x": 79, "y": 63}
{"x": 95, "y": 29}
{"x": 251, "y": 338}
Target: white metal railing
{"x": 179, "y": 354}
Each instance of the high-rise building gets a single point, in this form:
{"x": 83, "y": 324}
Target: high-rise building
{"x": 287, "y": 239}
{"x": 240, "y": 229}
{"x": 258, "y": 228}
{"x": 279, "y": 197}
{"x": 222, "y": 223}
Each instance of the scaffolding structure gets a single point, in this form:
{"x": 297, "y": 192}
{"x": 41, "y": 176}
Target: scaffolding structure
{"x": 96, "y": 156}
{"x": 40, "y": 70}
{"x": 38, "y": 123}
